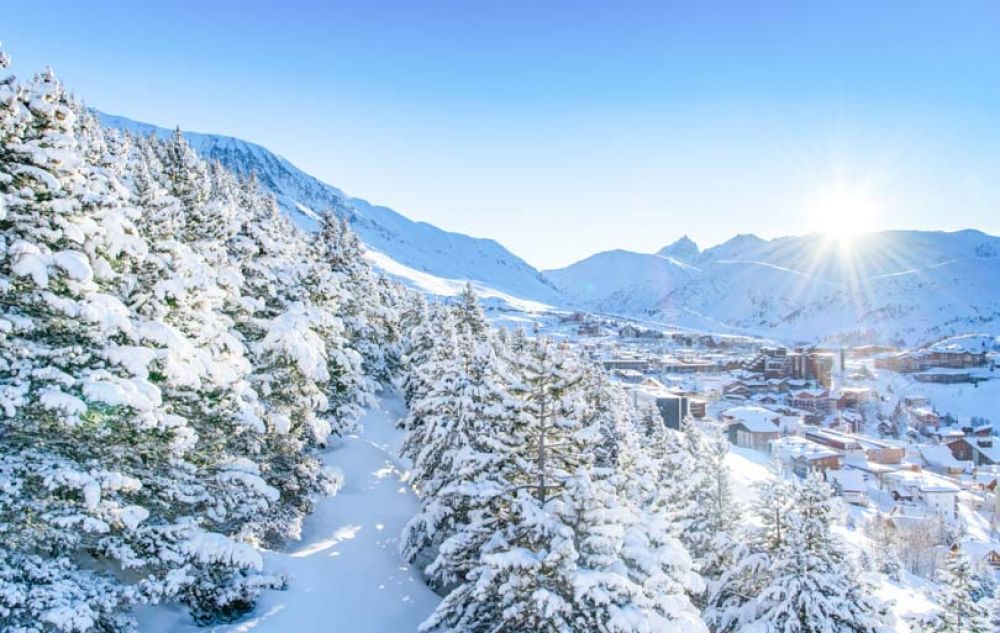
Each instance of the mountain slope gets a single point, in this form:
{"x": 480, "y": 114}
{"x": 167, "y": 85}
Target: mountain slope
{"x": 898, "y": 286}
{"x": 416, "y": 245}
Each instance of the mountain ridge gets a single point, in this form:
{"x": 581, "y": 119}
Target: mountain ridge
{"x": 904, "y": 287}
{"x": 416, "y": 245}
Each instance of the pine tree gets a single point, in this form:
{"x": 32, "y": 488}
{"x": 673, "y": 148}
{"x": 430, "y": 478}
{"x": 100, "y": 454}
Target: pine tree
{"x": 469, "y": 316}
{"x": 714, "y": 515}
{"x": 465, "y": 466}
{"x": 960, "y": 608}
{"x": 365, "y": 318}
{"x": 796, "y": 576}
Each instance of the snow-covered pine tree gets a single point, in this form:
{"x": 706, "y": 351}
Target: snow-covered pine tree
{"x": 437, "y": 360}
{"x": 366, "y": 320}
{"x": 469, "y": 316}
{"x": 201, "y": 369}
{"x": 549, "y": 382}
{"x": 960, "y": 608}
{"x": 464, "y": 470}
{"x": 731, "y": 596}
{"x": 632, "y": 575}
{"x": 152, "y": 305}
{"x": 568, "y": 552}
{"x": 714, "y": 515}
{"x": 606, "y": 408}
{"x": 809, "y": 583}
{"x": 348, "y": 391}
{"x": 418, "y": 346}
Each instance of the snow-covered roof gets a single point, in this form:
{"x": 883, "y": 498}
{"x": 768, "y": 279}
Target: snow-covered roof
{"x": 924, "y": 481}
{"x": 847, "y": 480}
{"x": 754, "y": 419}
{"x": 855, "y": 390}
{"x": 810, "y": 393}
{"x": 939, "y": 456}
{"x": 973, "y": 343}
{"x": 990, "y": 452}
{"x": 793, "y": 446}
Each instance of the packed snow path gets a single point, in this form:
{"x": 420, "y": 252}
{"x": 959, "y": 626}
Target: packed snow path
{"x": 346, "y": 573}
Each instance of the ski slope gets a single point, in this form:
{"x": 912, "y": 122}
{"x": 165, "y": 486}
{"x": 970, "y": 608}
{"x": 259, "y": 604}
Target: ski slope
{"x": 345, "y": 574}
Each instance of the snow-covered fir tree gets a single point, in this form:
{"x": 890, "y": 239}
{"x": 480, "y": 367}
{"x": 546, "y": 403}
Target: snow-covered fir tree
{"x": 963, "y": 605}
{"x": 795, "y": 575}
{"x": 562, "y": 549}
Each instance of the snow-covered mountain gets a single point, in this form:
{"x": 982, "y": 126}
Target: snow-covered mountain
{"x": 419, "y": 247}
{"x": 895, "y": 286}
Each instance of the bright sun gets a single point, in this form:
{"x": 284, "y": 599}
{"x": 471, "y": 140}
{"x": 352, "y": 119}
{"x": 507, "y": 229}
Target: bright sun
{"x": 844, "y": 211}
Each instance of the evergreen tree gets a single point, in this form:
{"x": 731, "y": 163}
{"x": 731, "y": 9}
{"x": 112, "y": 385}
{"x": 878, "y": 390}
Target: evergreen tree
{"x": 469, "y": 316}
{"x": 961, "y": 608}
{"x": 464, "y": 468}
{"x": 795, "y": 576}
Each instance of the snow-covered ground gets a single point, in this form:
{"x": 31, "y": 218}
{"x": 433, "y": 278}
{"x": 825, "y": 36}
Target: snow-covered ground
{"x": 441, "y": 287}
{"x": 345, "y": 573}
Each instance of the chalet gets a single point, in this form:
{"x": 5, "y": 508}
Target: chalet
{"x": 757, "y": 386}
{"x": 946, "y": 356}
{"x": 927, "y": 417}
{"x": 816, "y": 461}
{"x": 736, "y": 389}
{"x": 589, "y": 329}
{"x": 952, "y": 358}
{"x": 752, "y": 427}
{"x": 854, "y": 397}
{"x": 813, "y": 400}
{"x": 979, "y": 451}
{"x": 982, "y": 430}
{"x": 983, "y": 552}
{"x": 848, "y": 421}
{"x": 915, "y": 401}
{"x": 941, "y": 459}
{"x": 935, "y": 493}
{"x": 872, "y": 469}
{"x": 786, "y": 448}
{"x": 947, "y": 434}
{"x": 899, "y": 362}
{"x": 674, "y": 366}
{"x": 849, "y": 484}
{"x": 629, "y": 331}
{"x": 881, "y": 451}
{"x": 633, "y": 331}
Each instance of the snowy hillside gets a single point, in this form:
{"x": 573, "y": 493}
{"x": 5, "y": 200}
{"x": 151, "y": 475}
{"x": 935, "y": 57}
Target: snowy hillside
{"x": 416, "y": 245}
{"x": 901, "y": 286}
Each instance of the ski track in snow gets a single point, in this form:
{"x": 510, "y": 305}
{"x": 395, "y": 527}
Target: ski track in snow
{"x": 345, "y": 574}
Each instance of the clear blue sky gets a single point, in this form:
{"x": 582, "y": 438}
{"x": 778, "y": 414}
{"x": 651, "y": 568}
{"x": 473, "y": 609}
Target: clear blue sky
{"x": 564, "y": 128}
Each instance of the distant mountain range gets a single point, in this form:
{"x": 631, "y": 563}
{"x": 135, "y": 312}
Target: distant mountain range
{"x": 896, "y": 286}
{"x": 906, "y": 287}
